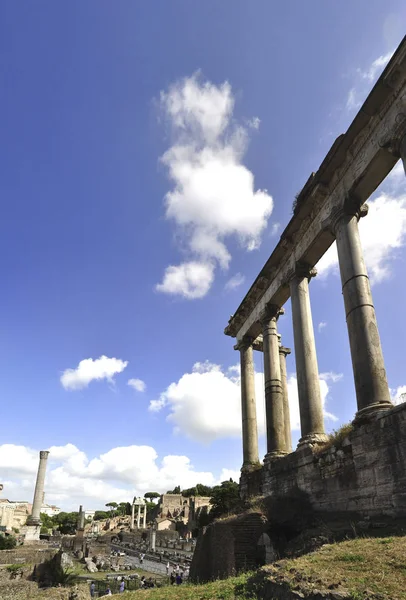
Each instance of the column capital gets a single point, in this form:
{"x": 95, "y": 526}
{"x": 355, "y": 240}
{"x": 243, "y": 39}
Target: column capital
{"x": 43, "y": 454}
{"x": 271, "y": 311}
{"x": 245, "y": 343}
{"x": 303, "y": 269}
{"x": 350, "y": 208}
{"x": 285, "y": 351}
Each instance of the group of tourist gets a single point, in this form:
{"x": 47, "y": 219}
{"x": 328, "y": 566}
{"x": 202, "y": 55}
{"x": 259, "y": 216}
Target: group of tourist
{"x": 108, "y": 591}
{"x": 177, "y": 576}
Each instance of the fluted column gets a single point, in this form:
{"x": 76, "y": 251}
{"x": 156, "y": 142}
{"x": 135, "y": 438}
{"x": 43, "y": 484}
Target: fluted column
{"x": 310, "y": 405}
{"x": 35, "y": 517}
{"x": 283, "y": 352}
{"x": 371, "y": 385}
{"x": 248, "y": 405}
{"x": 145, "y": 517}
{"x": 139, "y": 517}
{"x": 275, "y": 424}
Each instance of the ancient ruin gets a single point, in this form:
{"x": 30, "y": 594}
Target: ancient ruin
{"x": 369, "y": 474}
{"x": 33, "y": 526}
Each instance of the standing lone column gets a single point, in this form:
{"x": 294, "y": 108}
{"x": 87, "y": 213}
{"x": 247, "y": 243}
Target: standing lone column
{"x": 310, "y": 406}
{"x": 132, "y": 515}
{"x": 145, "y": 517}
{"x": 371, "y": 385}
{"x": 248, "y": 405}
{"x": 275, "y": 424}
{"x": 35, "y": 517}
{"x": 139, "y": 516}
{"x": 283, "y": 352}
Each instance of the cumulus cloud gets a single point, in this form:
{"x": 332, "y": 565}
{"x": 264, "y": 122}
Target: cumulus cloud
{"x": 382, "y": 231}
{"x": 137, "y": 384}
{"x": 321, "y": 326}
{"x": 190, "y": 280}
{"x": 213, "y": 195}
{"x": 234, "y": 282}
{"x": 398, "y": 394}
{"x": 364, "y": 79}
{"x": 89, "y": 370}
{"x": 205, "y": 404}
{"x": 117, "y": 475}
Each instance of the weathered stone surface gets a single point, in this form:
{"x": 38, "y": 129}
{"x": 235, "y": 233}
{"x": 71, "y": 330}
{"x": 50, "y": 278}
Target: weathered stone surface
{"x": 367, "y": 475}
{"x": 90, "y": 566}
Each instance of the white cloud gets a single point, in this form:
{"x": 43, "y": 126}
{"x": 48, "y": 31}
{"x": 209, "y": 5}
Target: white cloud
{"x": 213, "y": 195}
{"x": 331, "y": 376}
{"x": 364, "y": 79}
{"x": 376, "y": 67}
{"x": 382, "y": 231}
{"x": 321, "y": 326}
{"x": 398, "y": 395}
{"x": 137, "y": 384}
{"x": 117, "y": 475}
{"x": 89, "y": 370}
{"x": 205, "y": 404}
{"x": 254, "y": 123}
{"x": 190, "y": 280}
{"x": 275, "y": 228}
{"x": 234, "y": 282}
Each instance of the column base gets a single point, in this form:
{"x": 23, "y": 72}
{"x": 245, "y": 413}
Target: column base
{"x": 249, "y": 467}
{"x": 31, "y": 533}
{"x": 371, "y": 411}
{"x": 312, "y": 439}
{"x": 271, "y": 457}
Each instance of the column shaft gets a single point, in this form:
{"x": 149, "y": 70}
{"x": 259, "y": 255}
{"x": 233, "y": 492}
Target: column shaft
{"x": 275, "y": 424}
{"x": 132, "y": 516}
{"x": 310, "y": 406}
{"x": 286, "y": 412}
{"x": 248, "y": 406}
{"x": 145, "y": 516}
{"x": 371, "y": 385}
{"x": 34, "y": 518}
{"x": 138, "y": 516}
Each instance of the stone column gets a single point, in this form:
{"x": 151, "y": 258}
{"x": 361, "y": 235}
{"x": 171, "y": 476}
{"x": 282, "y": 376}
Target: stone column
{"x": 371, "y": 385}
{"x": 310, "y": 406}
{"x": 132, "y": 515}
{"x": 275, "y": 424}
{"x": 403, "y": 152}
{"x": 153, "y": 539}
{"x": 35, "y": 517}
{"x": 283, "y": 352}
{"x": 81, "y": 518}
{"x": 248, "y": 405}
{"x": 144, "y": 525}
{"x": 138, "y": 516}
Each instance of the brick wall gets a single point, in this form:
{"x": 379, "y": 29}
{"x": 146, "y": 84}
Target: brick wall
{"x": 227, "y": 547}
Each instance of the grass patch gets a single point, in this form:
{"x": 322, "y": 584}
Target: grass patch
{"x": 335, "y": 438}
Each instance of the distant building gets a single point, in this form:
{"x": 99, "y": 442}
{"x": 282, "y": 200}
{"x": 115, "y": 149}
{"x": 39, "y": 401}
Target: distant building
{"x": 50, "y": 509}
{"x": 89, "y": 514}
{"x": 175, "y": 508}
{"x": 14, "y": 514}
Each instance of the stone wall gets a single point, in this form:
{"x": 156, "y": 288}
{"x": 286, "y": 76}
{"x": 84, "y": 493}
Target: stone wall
{"x": 26, "y": 554}
{"x": 365, "y": 475}
{"x": 228, "y": 546}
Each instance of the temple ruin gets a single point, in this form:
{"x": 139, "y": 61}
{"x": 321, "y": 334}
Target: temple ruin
{"x": 328, "y": 209}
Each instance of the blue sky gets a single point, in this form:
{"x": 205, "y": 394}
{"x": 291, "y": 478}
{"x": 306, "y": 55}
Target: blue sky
{"x": 108, "y": 107}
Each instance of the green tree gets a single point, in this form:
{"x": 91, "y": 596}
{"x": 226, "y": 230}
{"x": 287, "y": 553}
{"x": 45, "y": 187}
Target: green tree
{"x": 225, "y": 499}
{"x": 47, "y": 523}
{"x": 122, "y": 508}
{"x": 66, "y": 522}
{"x": 152, "y": 495}
{"x": 176, "y": 490}
{"x": 112, "y": 506}
{"x": 100, "y": 515}
{"x": 7, "y": 542}
{"x": 198, "y": 490}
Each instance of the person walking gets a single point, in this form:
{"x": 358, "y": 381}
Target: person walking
{"x": 92, "y": 589}
{"x": 122, "y": 586}
{"x": 167, "y": 568}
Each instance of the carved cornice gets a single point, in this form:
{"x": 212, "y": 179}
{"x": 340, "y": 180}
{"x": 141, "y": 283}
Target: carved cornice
{"x": 393, "y": 139}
